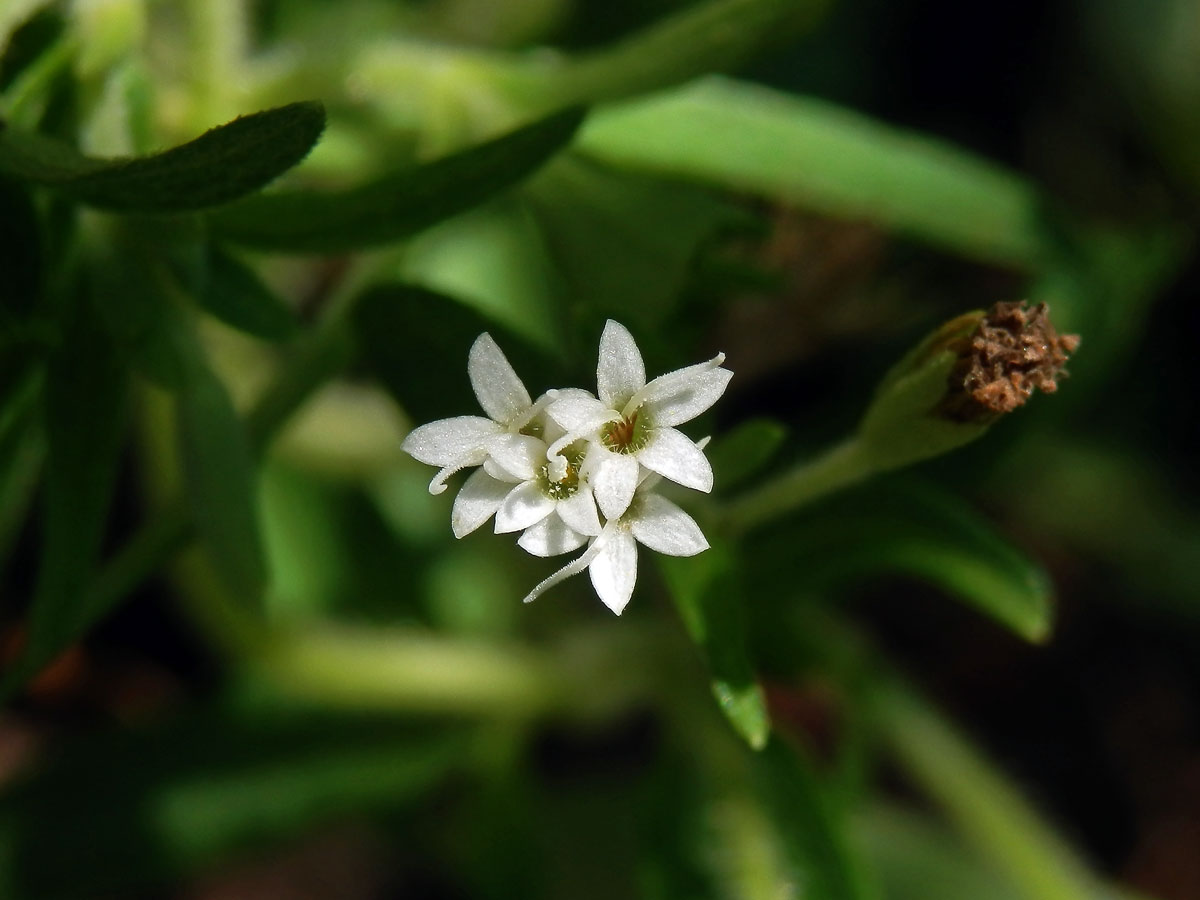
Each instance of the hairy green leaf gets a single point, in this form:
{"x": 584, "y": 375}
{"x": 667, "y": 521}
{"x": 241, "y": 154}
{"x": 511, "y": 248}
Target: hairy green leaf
{"x": 813, "y": 154}
{"x": 398, "y": 204}
{"x": 221, "y": 165}
{"x": 707, "y": 591}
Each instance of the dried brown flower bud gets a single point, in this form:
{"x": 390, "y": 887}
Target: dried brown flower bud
{"x": 1013, "y": 352}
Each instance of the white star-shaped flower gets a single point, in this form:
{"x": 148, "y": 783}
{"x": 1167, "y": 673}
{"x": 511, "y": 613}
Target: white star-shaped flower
{"x": 611, "y": 557}
{"x": 462, "y": 441}
{"x": 632, "y": 423}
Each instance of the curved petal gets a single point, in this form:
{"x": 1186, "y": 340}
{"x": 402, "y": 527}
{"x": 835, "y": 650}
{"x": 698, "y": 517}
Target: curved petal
{"x": 580, "y": 415}
{"x": 614, "y": 480}
{"x": 518, "y": 454}
{"x": 684, "y": 398}
{"x": 444, "y": 442}
{"x": 525, "y": 505}
{"x": 614, "y": 570}
{"x": 672, "y": 455}
{"x": 493, "y": 468}
{"x": 579, "y": 512}
{"x": 663, "y": 526}
{"x": 620, "y": 372}
{"x": 477, "y": 501}
{"x": 499, "y": 391}
{"x": 550, "y": 537}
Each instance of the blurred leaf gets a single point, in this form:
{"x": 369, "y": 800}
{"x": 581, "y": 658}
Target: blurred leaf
{"x": 219, "y": 477}
{"x": 624, "y": 243}
{"x": 22, "y": 454}
{"x": 135, "y": 809}
{"x": 398, "y": 204}
{"x": 85, "y": 400}
{"x": 813, "y": 154}
{"x": 416, "y": 341}
{"x": 707, "y": 590}
{"x": 235, "y": 294}
{"x": 917, "y": 859}
{"x": 812, "y": 830}
{"x": 29, "y": 41}
{"x": 741, "y": 454}
{"x": 892, "y": 527}
{"x": 222, "y": 164}
{"x": 979, "y": 799}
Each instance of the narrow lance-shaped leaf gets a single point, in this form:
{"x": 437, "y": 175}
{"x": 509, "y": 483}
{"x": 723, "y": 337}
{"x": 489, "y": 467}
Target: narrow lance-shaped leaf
{"x": 398, "y": 204}
{"x": 85, "y": 398}
{"x": 834, "y": 161}
{"x": 707, "y": 593}
{"x": 234, "y": 293}
{"x": 221, "y": 165}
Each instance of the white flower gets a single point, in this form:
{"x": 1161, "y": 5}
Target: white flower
{"x": 462, "y": 441}
{"x": 631, "y": 424}
{"x": 611, "y": 557}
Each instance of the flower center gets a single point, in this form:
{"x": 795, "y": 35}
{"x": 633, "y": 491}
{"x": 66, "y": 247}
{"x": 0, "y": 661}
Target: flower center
{"x": 569, "y": 464}
{"x": 628, "y": 434}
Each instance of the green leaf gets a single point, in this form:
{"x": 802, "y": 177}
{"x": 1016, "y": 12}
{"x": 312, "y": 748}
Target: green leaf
{"x": 398, "y": 204}
{"x": 830, "y": 160}
{"x": 917, "y": 531}
{"x": 624, "y": 243}
{"x": 221, "y": 165}
{"x": 85, "y": 400}
{"x": 707, "y": 590}
{"x": 234, "y": 293}
{"x": 741, "y": 454}
{"x": 219, "y": 477}
{"x": 138, "y": 809}
{"x": 28, "y": 41}
{"x": 22, "y": 454}
{"x": 810, "y": 825}
{"x": 416, "y": 342}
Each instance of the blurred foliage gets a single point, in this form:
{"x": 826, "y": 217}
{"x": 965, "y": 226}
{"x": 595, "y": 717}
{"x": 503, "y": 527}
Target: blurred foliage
{"x": 245, "y": 246}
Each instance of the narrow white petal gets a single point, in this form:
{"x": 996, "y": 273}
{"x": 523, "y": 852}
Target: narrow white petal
{"x": 518, "y": 454}
{"x": 444, "y": 442}
{"x": 686, "y": 398}
{"x": 580, "y": 415}
{"x": 477, "y": 501}
{"x": 497, "y": 387}
{"x": 663, "y": 526}
{"x": 574, "y": 567}
{"x": 614, "y": 570}
{"x": 524, "y": 506}
{"x": 614, "y": 481}
{"x": 672, "y": 455}
{"x": 550, "y": 537}
{"x": 620, "y": 372}
{"x": 579, "y": 512}
{"x": 473, "y": 458}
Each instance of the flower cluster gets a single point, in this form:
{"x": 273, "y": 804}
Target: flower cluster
{"x": 572, "y": 468}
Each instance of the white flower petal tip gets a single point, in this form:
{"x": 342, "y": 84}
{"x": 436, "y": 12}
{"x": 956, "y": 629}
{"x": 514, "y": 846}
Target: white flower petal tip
{"x": 500, "y": 392}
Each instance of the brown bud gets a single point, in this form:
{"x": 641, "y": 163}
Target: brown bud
{"x": 1012, "y": 352}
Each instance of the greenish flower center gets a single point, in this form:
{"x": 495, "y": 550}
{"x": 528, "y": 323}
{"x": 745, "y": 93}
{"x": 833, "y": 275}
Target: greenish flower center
{"x": 628, "y": 434}
{"x": 569, "y": 483}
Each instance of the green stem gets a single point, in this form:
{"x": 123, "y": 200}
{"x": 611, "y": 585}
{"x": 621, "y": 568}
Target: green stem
{"x": 840, "y": 466}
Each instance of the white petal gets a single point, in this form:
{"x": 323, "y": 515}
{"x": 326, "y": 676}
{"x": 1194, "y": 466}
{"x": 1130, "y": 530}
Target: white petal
{"x": 579, "y": 512}
{"x": 614, "y": 570}
{"x": 497, "y": 387}
{"x": 524, "y": 506}
{"x": 663, "y": 526}
{"x": 620, "y": 372}
{"x": 614, "y": 481}
{"x": 550, "y": 537}
{"x": 518, "y": 454}
{"x": 444, "y": 442}
{"x": 672, "y": 455}
{"x": 684, "y": 398}
{"x": 580, "y": 415}
{"x": 477, "y": 502}
{"x": 574, "y": 567}
{"x": 473, "y": 458}
{"x": 493, "y": 468}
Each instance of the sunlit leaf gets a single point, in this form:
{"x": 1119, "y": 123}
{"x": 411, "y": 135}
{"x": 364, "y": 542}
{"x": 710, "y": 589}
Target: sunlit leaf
{"x": 398, "y": 204}
{"x": 222, "y": 164}
{"x": 815, "y": 155}
{"x": 707, "y": 590}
